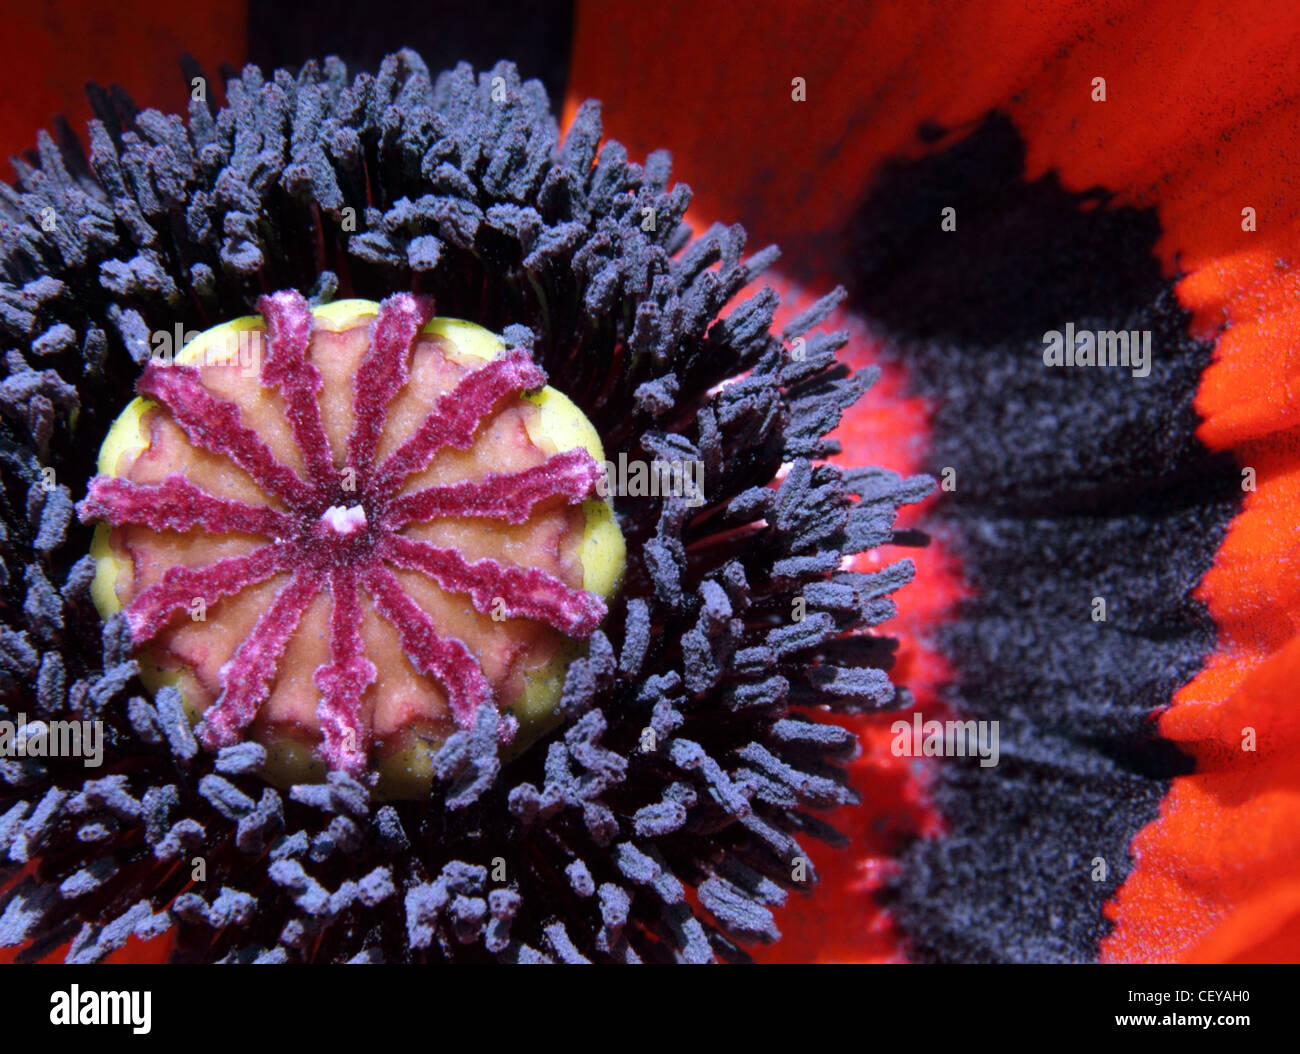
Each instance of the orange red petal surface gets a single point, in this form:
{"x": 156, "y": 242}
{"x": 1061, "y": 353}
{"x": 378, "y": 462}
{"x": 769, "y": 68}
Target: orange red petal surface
{"x": 53, "y": 48}
{"x": 1201, "y": 119}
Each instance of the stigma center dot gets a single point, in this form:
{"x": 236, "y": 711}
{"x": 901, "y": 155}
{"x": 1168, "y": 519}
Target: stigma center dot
{"x": 345, "y": 520}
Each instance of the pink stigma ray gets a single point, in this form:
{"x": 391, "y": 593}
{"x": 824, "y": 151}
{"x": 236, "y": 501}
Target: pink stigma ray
{"x": 175, "y": 504}
{"x": 344, "y": 680}
{"x": 456, "y": 416}
{"x": 248, "y": 677}
{"x": 181, "y": 586}
{"x": 524, "y": 592}
{"x": 216, "y": 425}
{"x": 382, "y": 374}
{"x": 288, "y": 324}
{"x": 511, "y": 497}
{"x": 447, "y": 660}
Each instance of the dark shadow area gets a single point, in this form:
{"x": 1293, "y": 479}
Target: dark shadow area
{"x": 536, "y": 36}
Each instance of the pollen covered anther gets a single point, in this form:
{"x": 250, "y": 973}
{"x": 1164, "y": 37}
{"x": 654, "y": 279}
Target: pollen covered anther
{"x": 352, "y": 518}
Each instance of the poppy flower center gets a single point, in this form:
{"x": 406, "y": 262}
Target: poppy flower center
{"x": 376, "y": 524}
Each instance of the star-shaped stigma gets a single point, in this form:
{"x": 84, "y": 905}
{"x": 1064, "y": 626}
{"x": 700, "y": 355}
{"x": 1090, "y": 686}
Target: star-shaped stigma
{"x": 345, "y": 523}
